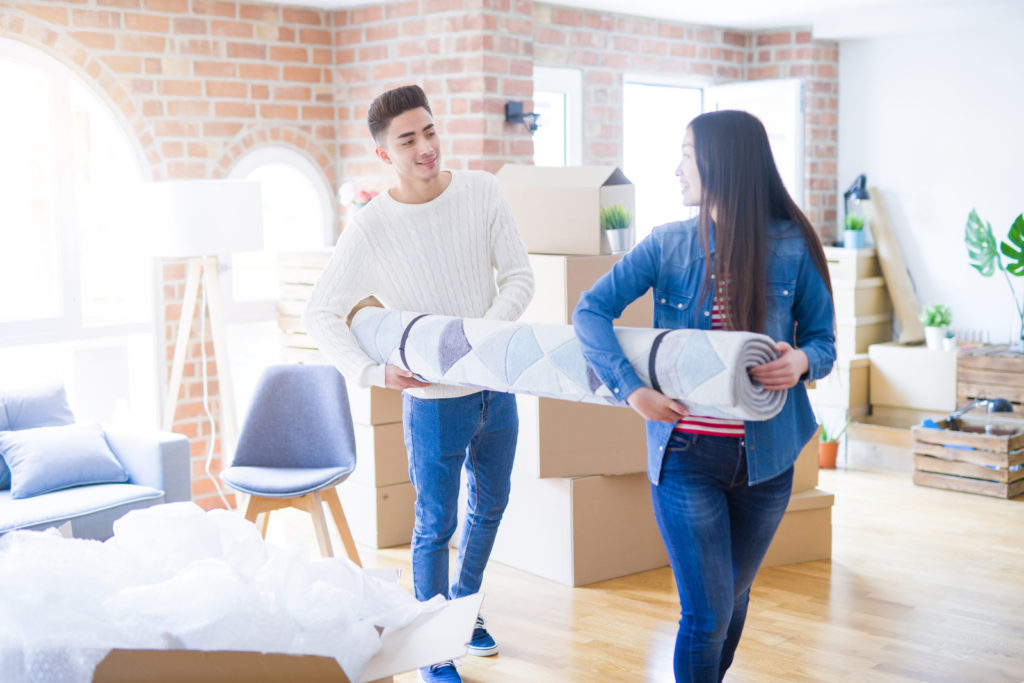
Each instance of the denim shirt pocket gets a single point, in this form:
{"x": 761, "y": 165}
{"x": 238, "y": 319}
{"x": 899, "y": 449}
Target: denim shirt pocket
{"x": 672, "y": 309}
{"x": 781, "y": 298}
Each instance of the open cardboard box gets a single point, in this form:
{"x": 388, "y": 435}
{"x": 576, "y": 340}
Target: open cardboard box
{"x": 558, "y": 208}
{"x": 431, "y": 638}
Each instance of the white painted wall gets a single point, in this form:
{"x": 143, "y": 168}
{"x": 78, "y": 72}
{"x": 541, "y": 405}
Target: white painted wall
{"x": 936, "y": 121}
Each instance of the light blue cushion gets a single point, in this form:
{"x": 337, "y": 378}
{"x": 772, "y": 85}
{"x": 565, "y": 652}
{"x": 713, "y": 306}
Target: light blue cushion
{"x": 45, "y": 405}
{"x": 47, "y": 459}
{"x": 83, "y": 506}
{"x": 282, "y": 482}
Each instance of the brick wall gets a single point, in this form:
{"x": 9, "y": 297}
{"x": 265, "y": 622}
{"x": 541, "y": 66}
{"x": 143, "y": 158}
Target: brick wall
{"x": 470, "y": 56}
{"x": 197, "y": 83}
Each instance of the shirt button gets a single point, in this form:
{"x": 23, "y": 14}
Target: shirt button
{"x": 616, "y": 390}
{"x": 785, "y": 292}
{"x": 663, "y": 300}
{"x": 707, "y": 313}
{"x": 712, "y": 277}
{"x": 679, "y": 305}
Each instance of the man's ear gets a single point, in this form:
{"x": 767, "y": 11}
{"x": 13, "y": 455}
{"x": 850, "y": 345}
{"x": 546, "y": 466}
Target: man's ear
{"x": 382, "y": 154}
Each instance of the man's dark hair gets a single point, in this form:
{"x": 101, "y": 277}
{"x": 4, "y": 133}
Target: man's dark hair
{"x": 394, "y": 103}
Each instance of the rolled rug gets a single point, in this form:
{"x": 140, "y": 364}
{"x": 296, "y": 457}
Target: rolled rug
{"x": 703, "y": 369}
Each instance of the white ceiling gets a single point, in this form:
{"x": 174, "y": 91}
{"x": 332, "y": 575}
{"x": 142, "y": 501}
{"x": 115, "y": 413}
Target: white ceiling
{"x": 831, "y": 19}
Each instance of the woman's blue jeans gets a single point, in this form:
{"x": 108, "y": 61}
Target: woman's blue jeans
{"x": 717, "y": 530}
{"x": 442, "y": 436}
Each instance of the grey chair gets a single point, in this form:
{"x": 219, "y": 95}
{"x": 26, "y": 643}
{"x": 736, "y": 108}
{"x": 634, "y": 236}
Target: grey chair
{"x": 296, "y": 446}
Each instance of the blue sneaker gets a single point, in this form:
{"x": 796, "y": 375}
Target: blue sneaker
{"x": 482, "y": 644}
{"x": 440, "y": 673}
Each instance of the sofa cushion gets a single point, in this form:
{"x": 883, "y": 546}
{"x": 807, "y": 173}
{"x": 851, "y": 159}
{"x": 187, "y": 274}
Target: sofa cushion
{"x": 45, "y": 405}
{"x": 49, "y": 509}
{"x": 45, "y": 459}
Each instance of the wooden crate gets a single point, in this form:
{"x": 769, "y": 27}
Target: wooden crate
{"x": 992, "y": 372}
{"x": 991, "y": 464}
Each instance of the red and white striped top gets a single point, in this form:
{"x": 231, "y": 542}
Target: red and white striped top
{"x": 713, "y": 426}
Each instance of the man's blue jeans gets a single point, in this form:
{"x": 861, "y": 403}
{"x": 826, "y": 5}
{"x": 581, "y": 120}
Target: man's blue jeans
{"x": 717, "y": 530}
{"x": 441, "y": 436}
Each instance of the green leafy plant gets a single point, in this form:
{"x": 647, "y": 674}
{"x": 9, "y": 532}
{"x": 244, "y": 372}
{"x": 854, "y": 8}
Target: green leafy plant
{"x": 936, "y": 315}
{"x": 615, "y": 217}
{"x": 981, "y": 250}
{"x": 827, "y": 435}
{"x": 854, "y": 222}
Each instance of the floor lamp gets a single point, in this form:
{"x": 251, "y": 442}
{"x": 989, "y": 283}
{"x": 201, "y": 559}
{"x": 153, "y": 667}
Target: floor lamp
{"x": 198, "y": 220}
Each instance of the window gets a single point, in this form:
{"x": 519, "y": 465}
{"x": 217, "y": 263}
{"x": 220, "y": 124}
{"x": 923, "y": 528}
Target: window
{"x": 558, "y": 98}
{"x": 298, "y": 215}
{"x": 780, "y": 106}
{"x": 77, "y": 282}
{"x": 654, "y": 122}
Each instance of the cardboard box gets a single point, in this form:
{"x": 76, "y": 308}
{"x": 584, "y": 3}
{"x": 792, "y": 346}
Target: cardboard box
{"x": 850, "y": 264}
{"x": 375, "y": 405}
{"x": 861, "y": 297}
{"x": 855, "y": 335}
{"x": 381, "y": 459}
{"x": 578, "y": 531}
{"x": 805, "y": 469}
{"x": 559, "y": 281}
{"x": 566, "y": 439}
{"x": 430, "y": 638}
{"x": 379, "y": 517}
{"x": 805, "y": 533}
{"x": 558, "y": 208}
{"x": 846, "y": 386}
{"x": 912, "y": 377}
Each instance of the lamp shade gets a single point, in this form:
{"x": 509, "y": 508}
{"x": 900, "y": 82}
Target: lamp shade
{"x": 190, "y": 218}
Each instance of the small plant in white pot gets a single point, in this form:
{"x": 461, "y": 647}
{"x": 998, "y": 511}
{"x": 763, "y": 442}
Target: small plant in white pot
{"x": 936, "y": 319}
{"x": 853, "y": 234}
{"x": 617, "y": 223}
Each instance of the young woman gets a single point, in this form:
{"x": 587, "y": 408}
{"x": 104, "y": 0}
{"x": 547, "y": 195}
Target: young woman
{"x": 749, "y": 261}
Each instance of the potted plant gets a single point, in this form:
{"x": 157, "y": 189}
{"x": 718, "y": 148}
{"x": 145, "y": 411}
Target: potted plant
{"x": 981, "y": 249}
{"x": 853, "y": 235}
{"x": 617, "y": 223}
{"x": 936, "y": 319}
{"x": 828, "y": 445}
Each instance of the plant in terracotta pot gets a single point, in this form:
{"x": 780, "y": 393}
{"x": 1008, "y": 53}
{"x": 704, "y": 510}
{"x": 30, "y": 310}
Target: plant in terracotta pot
{"x": 936, "y": 319}
{"x": 828, "y": 445}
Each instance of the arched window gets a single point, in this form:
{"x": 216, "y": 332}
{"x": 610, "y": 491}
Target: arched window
{"x": 76, "y": 283}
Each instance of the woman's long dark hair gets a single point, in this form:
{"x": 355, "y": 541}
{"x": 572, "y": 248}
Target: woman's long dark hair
{"x": 740, "y": 182}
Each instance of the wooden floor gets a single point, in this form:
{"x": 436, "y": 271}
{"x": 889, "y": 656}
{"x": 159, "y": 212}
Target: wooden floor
{"x": 923, "y": 585}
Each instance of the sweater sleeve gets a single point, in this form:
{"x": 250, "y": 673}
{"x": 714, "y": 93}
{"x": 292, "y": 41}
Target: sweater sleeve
{"x": 345, "y": 281}
{"x": 514, "y": 276}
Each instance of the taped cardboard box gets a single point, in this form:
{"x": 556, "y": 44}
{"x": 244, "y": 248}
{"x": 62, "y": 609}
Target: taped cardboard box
{"x": 374, "y": 405}
{"x": 559, "y": 281}
{"x": 912, "y": 378}
{"x": 379, "y": 517}
{"x": 431, "y": 638}
{"x": 381, "y": 459}
{"x": 805, "y": 533}
{"x": 805, "y": 469}
{"x": 846, "y": 386}
{"x": 582, "y": 530}
{"x": 857, "y": 298}
{"x": 558, "y": 208}
{"x": 566, "y": 439}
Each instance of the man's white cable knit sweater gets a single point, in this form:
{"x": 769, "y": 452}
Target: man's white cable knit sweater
{"x": 459, "y": 254}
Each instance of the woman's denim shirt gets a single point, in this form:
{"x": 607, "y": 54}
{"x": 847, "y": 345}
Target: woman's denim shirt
{"x": 670, "y": 261}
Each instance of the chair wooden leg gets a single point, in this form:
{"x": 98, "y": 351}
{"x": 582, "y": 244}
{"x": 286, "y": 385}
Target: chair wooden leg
{"x": 253, "y": 510}
{"x": 266, "y": 523}
{"x": 331, "y": 496}
{"x": 314, "y": 504}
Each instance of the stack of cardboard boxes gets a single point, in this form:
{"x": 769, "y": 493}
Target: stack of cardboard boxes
{"x": 378, "y": 496}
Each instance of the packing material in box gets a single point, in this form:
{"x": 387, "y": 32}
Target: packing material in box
{"x": 379, "y": 517}
{"x": 559, "y": 281}
{"x": 566, "y": 439}
{"x": 558, "y": 208}
{"x": 912, "y": 377}
{"x": 805, "y": 533}
{"x": 381, "y": 459}
{"x": 582, "y": 530}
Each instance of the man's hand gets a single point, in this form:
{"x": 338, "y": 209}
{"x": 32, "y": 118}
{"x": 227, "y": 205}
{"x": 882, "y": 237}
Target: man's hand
{"x": 397, "y": 378}
{"x": 783, "y": 372}
{"x": 654, "y": 405}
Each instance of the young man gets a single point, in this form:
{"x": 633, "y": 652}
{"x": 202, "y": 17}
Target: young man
{"x": 440, "y": 242}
